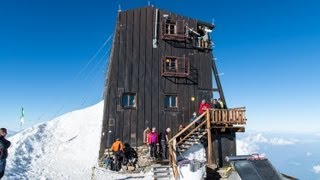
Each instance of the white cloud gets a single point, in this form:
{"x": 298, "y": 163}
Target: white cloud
{"x": 309, "y": 154}
{"x": 295, "y": 163}
{"x": 250, "y": 144}
{"x": 280, "y": 141}
{"x": 316, "y": 169}
{"x": 259, "y": 138}
{"x": 245, "y": 147}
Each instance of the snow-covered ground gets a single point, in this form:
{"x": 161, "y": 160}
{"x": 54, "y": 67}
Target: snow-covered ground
{"x": 65, "y": 148}
{"x": 103, "y": 174}
{"x": 11, "y": 133}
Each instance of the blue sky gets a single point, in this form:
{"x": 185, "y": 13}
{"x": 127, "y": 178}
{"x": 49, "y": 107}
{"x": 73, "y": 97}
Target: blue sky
{"x": 267, "y": 50}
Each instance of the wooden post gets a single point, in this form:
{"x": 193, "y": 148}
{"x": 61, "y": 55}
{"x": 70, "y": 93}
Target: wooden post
{"x": 209, "y": 138}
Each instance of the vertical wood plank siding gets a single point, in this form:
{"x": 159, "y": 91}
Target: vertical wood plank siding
{"x": 135, "y": 68}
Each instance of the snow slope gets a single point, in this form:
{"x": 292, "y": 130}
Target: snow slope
{"x": 64, "y": 148}
{"x": 11, "y": 133}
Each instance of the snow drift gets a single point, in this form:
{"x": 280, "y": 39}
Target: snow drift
{"x": 65, "y": 148}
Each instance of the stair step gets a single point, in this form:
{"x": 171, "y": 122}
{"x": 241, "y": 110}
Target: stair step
{"x": 184, "y": 147}
{"x": 189, "y": 143}
{"x": 198, "y": 134}
{"x": 160, "y": 166}
{"x": 163, "y": 171}
{"x": 161, "y": 176}
{"x": 181, "y": 152}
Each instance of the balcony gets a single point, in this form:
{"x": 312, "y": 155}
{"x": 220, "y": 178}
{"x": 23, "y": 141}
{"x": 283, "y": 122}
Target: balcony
{"x": 173, "y": 30}
{"x": 228, "y": 118}
{"x": 175, "y": 66}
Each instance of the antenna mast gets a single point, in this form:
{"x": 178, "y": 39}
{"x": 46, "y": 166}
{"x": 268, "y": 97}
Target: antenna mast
{"x": 119, "y": 10}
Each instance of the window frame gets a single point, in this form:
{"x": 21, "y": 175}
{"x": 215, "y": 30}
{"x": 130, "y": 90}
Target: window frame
{"x": 129, "y": 95}
{"x": 170, "y": 107}
{"x": 175, "y": 66}
{"x": 172, "y": 64}
{"x": 174, "y": 30}
{"x": 170, "y": 28}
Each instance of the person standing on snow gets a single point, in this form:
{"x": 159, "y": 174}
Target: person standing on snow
{"x": 152, "y": 142}
{"x": 164, "y": 143}
{"x": 117, "y": 149}
{"x": 4, "y": 145}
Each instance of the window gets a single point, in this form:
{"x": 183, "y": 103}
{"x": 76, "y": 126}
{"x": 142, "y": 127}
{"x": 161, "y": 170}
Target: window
{"x": 170, "y": 28}
{"x": 171, "y": 64}
{"x": 175, "y": 66}
{"x": 128, "y": 100}
{"x": 171, "y": 101}
{"x": 174, "y": 30}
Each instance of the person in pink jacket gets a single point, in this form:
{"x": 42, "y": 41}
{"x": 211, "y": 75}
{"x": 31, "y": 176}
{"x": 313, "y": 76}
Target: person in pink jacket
{"x": 152, "y": 142}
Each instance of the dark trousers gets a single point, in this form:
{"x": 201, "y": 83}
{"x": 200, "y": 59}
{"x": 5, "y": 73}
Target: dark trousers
{"x": 153, "y": 149}
{"x": 2, "y": 167}
{"x": 164, "y": 149}
{"x": 119, "y": 159}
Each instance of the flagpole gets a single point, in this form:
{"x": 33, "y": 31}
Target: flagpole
{"x": 21, "y": 118}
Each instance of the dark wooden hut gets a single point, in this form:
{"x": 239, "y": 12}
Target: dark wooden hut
{"x": 161, "y": 67}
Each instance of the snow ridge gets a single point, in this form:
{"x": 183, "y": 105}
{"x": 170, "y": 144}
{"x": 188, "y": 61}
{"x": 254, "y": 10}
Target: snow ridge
{"x": 65, "y": 148}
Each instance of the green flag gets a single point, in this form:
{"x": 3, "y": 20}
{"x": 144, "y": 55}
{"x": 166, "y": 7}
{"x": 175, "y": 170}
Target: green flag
{"x": 22, "y": 116}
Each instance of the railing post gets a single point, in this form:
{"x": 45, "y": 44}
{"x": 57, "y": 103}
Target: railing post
{"x": 209, "y": 138}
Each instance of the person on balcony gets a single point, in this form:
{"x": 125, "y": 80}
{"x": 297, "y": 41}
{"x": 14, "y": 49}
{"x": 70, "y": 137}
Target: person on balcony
{"x": 222, "y": 106}
{"x": 216, "y": 104}
{"x": 203, "y": 106}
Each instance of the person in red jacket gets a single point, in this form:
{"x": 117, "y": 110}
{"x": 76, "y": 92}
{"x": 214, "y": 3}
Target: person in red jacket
{"x": 152, "y": 141}
{"x": 203, "y": 106}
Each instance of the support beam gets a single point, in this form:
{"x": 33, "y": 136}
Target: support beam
{"x": 209, "y": 138}
{"x": 216, "y": 76}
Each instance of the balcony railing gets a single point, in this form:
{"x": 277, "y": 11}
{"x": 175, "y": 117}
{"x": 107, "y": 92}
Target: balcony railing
{"x": 174, "y": 30}
{"x": 212, "y": 118}
{"x": 228, "y": 117}
{"x": 175, "y": 66}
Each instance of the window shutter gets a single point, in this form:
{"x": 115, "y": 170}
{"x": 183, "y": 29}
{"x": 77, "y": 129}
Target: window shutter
{"x": 181, "y": 65}
{"x": 180, "y": 27}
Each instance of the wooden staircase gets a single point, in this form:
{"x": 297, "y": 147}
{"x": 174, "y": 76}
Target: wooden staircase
{"x": 193, "y": 139}
{"x": 218, "y": 119}
{"x": 162, "y": 172}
